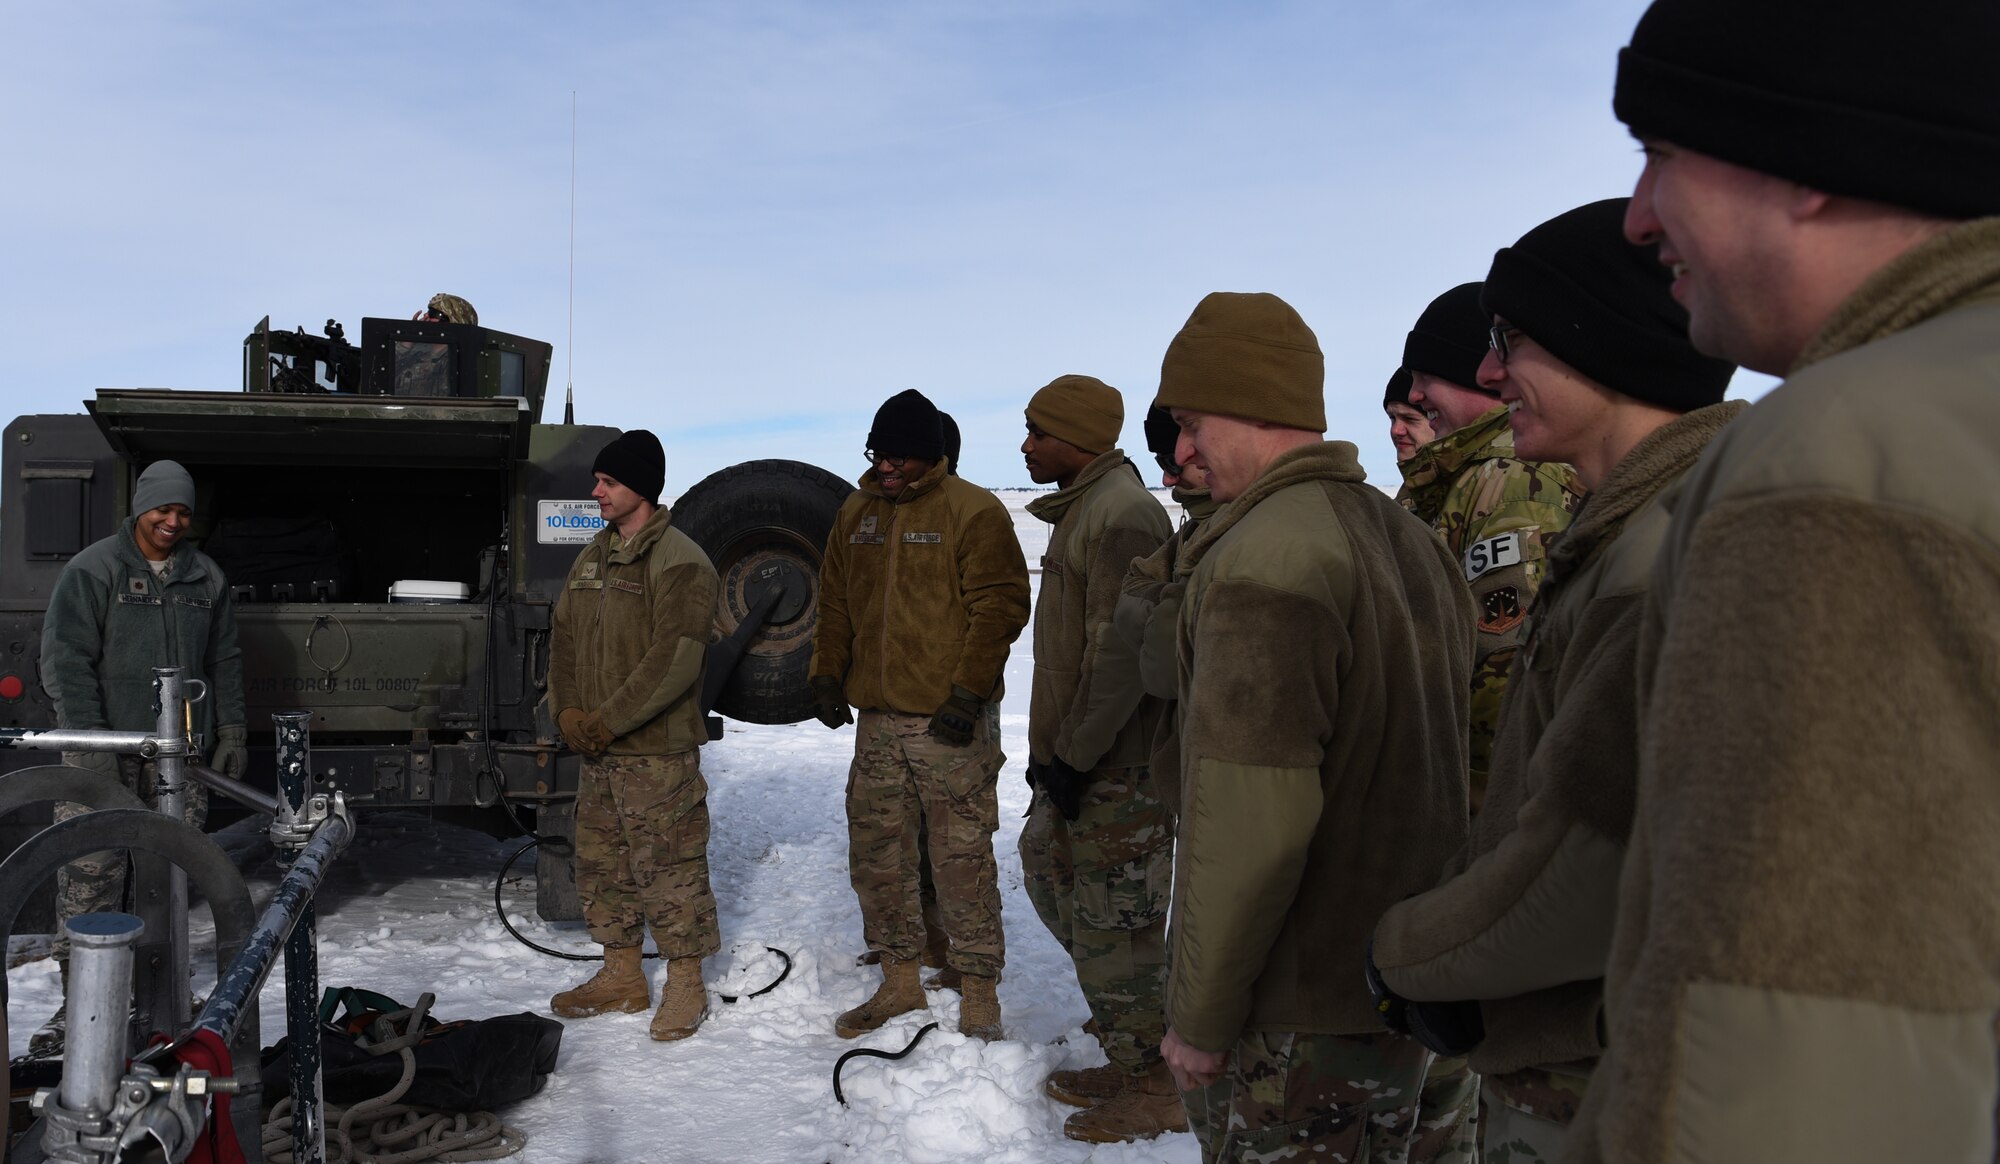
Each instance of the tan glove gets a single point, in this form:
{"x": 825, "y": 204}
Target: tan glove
{"x": 232, "y": 750}
{"x": 570, "y": 722}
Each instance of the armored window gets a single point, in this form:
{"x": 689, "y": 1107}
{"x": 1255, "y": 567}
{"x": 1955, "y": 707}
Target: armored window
{"x": 423, "y": 369}
{"x": 58, "y": 507}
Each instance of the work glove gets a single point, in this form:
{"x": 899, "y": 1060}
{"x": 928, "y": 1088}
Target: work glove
{"x": 232, "y": 752}
{"x": 1064, "y": 786}
{"x": 829, "y": 697}
{"x": 1449, "y": 1028}
{"x": 571, "y": 722}
{"x": 953, "y": 723}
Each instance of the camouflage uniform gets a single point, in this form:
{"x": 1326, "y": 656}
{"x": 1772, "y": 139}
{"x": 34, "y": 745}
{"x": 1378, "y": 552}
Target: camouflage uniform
{"x": 1287, "y": 1096}
{"x": 96, "y": 883}
{"x": 1101, "y": 883}
{"x": 901, "y": 773}
{"x": 1496, "y": 515}
{"x": 642, "y": 853}
{"x": 1528, "y": 1113}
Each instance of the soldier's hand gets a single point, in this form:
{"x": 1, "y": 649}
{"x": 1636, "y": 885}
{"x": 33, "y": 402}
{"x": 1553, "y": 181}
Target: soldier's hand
{"x": 1065, "y": 787}
{"x": 1192, "y": 1067}
{"x": 829, "y": 698}
{"x": 569, "y": 721}
{"x": 232, "y": 751}
{"x": 596, "y": 736}
{"x": 953, "y": 723}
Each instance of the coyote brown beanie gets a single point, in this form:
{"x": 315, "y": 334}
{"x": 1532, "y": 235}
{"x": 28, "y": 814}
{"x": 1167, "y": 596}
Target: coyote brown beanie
{"x": 1856, "y": 97}
{"x": 636, "y": 461}
{"x": 1082, "y": 410}
{"x": 1450, "y": 338}
{"x": 163, "y": 483}
{"x": 908, "y": 425}
{"x": 1248, "y": 355}
{"x": 1602, "y": 306}
{"x": 1398, "y": 391}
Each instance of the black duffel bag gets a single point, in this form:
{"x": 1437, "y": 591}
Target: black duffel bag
{"x": 464, "y": 1066}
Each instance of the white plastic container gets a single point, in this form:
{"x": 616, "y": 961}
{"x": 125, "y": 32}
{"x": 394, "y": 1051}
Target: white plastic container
{"x": 425, "y": 591}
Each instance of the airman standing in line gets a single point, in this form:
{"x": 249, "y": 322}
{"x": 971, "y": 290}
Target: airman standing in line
{"x": 1806, "y": 964}
{"x": 1325, "y": 649}
{"x": 1097, "y": 851}
{"x": 627, "y": 645}
{"x": 1409, "y": 428}
{"x": 922, "y": 591}
{"x": 1590, "y": 353}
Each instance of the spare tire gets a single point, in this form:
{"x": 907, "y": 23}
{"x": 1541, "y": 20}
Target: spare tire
{"x": 747, "y": 518}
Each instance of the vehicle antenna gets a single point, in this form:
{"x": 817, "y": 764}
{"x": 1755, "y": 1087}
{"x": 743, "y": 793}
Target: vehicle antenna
{"x": 569, "y": 389}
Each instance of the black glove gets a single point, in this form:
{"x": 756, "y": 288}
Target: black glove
{"x": 829, "y": 698}
{"x": 1065, "y": 787}
{"x": 953, "y": 723}
{"x": 1449, "y": 1028}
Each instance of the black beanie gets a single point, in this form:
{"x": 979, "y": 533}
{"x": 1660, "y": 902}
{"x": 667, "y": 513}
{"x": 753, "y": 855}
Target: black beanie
{"x": 907, "y": 425}
{"x": 1450, "y": 338}
{"x": 1398, "y": 391}
{"x": 1889, "y": 102}
{"x": 952, "y": 442}
{"x": 1602, "y": 306}
{"x": 636, "y": 461}
{"x": 1162, "y": 435}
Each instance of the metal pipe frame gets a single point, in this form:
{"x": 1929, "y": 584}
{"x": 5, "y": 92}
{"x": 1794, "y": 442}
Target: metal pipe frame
{"x": 79, "y": 740}
{"x": 294, "y": 732}
{"x": 100, "y": 989}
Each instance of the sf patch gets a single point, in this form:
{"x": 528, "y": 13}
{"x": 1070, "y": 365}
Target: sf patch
{"x": 1491, "y": 554}
{"x": 1500, "y": 610}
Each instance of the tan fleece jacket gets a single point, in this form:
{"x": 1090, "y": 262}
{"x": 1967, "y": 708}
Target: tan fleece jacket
{"x": 630, "y": 635}
{"x": 1807, "y": 957}
{"x": 919, "y": 594}
{"x": 1325, "y": 643}
{"x": 1526, "y": 928}
{"x": 1103, "y": 522}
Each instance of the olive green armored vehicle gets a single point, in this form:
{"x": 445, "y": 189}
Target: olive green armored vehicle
{"x": 395, "y": 522}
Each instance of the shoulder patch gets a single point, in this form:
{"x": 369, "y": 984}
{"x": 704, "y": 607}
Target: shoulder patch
{"x": 1500, "y": 611}
{"x": 1487, "y": 556}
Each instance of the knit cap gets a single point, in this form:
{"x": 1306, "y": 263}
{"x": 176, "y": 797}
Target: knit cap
{"x": 1248, "y": 355}
{"x": 1450, "y": 338}
{"x": 1892, "y": 102}
{"x": 1603, "y": 306}
{"x": 953, "y": 441}
{"x": 1082, "y": 410}
{"x": 636, "y": 461}
{"x": 1162, "y": 435}
{"x": 908, "y": 425}
{"x": 162, "y": 483}
{"x": 1398, "y": 391}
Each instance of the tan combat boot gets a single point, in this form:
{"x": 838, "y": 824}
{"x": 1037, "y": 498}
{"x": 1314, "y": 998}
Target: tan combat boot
{"x": 618, "y": 986}
{"x": 1147, "y": 1106}
{"x": 900, "y": 993}
{"x": 979, "y": 1008}
{"x": 683, "y": 1001}
{"x": 1088, "y": 1087}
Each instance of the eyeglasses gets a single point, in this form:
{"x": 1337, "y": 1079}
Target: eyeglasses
{"x": 1496, "y": 338}
{"x": 875, "y": 458}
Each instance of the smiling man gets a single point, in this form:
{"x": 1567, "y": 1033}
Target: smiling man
{"x": 1495, "y": 510}
{"x": 922, "y": 591}
{"x": 1590, "y": 355}
{"x": 1409, "y": 428}
{"x": 627, "y": 644}
{"x": 1807, "y": 957}
{"x": 1325, "y": 641}
{"x": 139, "y": 599}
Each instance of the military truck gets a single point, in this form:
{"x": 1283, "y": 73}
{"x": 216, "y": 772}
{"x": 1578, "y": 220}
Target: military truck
{"x": 395, "y": 522}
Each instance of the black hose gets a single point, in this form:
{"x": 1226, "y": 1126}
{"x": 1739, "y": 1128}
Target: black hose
{"x": 501, "y": 909}
{"x": 872, "y": 1053}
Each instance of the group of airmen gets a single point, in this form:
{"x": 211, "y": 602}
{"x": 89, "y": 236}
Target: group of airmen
{"x": 1621, "y": 790}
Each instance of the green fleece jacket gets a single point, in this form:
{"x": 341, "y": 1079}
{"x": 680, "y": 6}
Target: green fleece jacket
{"x": 1526, "y": 927}
{"x": 110, "y": 622}
{"x": 919, "y": 594}
{"x": 1806, "y": 964}
{"x": 1325, "y": 645}
{"x": 630, "y": 636}
{"x": 1103, "y": 522}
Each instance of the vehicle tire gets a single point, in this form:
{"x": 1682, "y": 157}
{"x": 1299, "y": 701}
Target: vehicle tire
{"x": 746, "y": 518}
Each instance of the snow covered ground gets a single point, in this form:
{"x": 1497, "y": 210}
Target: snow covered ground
{"x": 410, "y": 909}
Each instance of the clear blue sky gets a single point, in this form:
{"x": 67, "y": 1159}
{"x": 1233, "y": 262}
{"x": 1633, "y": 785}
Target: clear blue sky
{"x": 785, "y": 212}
